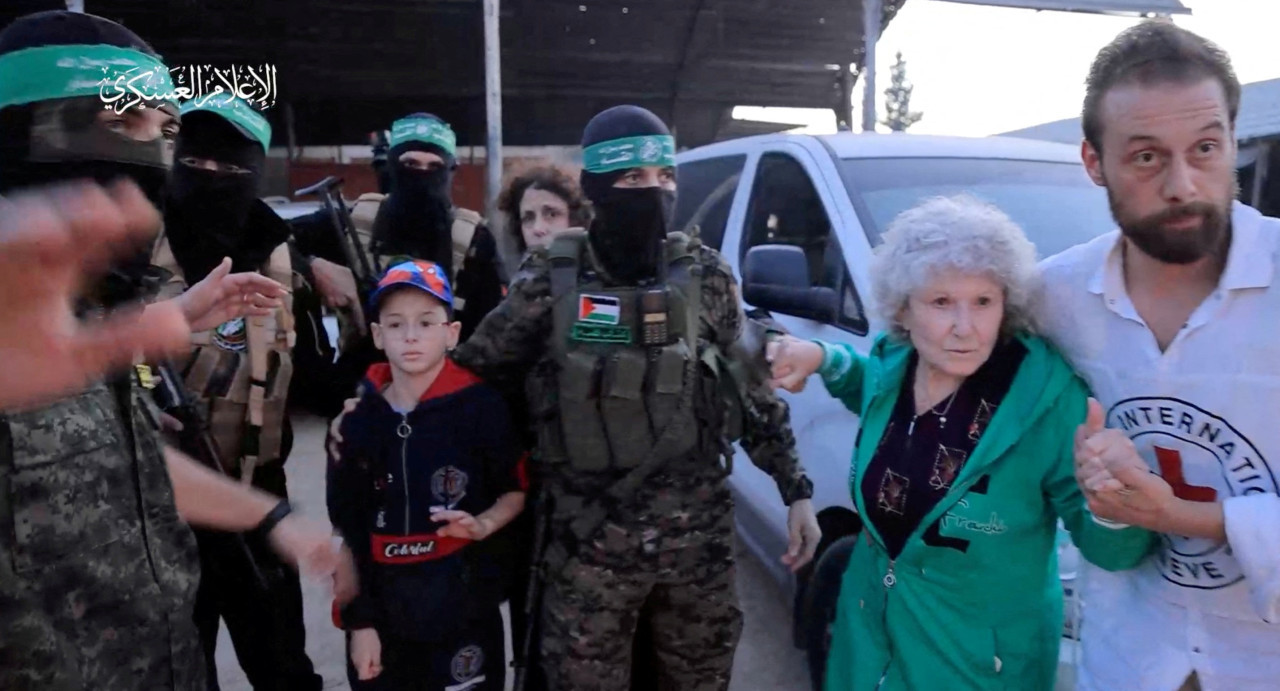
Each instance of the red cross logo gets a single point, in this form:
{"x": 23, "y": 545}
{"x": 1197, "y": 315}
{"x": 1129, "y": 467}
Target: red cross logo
{"x": 1170, "y": 461}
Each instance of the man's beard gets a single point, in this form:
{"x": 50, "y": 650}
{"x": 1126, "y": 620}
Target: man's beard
{"x": 1181, "y": 245}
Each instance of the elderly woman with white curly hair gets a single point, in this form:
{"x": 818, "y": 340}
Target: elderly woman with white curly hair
{"x": 962, "y": 467}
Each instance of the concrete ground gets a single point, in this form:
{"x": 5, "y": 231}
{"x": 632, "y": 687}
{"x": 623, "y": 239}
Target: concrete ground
{"x": 766, "y": 660}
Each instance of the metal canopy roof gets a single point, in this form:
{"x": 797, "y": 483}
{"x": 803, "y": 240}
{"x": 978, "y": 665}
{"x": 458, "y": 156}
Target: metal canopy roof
{"x": 1099, "y": 6}
{"x": 348, "y": 68}
{"x": 1259, "y": 118}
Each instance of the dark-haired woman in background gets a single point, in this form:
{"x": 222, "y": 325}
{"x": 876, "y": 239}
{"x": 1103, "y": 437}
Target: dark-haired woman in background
{"x": 539, "y": 204}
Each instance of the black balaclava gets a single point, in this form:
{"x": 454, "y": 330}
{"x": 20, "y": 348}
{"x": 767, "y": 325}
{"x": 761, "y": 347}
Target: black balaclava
{"x": 207, "y": 212}
{"x": 59, "y": 140}
{"x": 630, "y": 225}
{"x": 417, "y": 217}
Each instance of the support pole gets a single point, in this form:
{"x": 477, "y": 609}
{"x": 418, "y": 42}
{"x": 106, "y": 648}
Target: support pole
{"x": 493, "y": 110}
{"x": 844, "y": 107}
{"x": 290, "y": 135}
{"x": 1260, "y": 173}
{"x": 871, "y": 35}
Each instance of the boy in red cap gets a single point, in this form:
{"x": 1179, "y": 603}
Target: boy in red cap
{"x": 429, "y": 466}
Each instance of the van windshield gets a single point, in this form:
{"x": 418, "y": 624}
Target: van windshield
{"x": 1055, "y": 203}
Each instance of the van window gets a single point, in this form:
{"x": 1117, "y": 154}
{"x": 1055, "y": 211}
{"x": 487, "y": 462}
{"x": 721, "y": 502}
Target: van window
{"x": 786, "y": 210}
{"x": 706, "y": 195}
{"x": 1056, "y": 204}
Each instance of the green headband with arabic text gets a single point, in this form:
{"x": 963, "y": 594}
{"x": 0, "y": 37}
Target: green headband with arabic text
{"x": 118, "y": 75}
{"x": 425, "y": 130}
{"x": 240, "y": 114}
{"x": 630, "y": 152}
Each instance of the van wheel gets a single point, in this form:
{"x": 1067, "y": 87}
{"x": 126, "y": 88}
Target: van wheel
{"x": 835, "y": 524}
{"x": 820, "y": 606}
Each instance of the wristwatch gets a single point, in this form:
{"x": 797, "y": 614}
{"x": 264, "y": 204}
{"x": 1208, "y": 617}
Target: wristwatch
{"x": 272, "y": 519}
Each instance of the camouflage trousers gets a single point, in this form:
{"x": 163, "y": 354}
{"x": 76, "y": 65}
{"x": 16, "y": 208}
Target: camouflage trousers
{"x": 685, "y": 589}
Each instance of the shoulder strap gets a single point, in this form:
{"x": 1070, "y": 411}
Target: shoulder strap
{"x": 363, "y": 213}
{"x": 467, "y": 215}
{"x": 680, "y": 245}
{"x": 564, "y": 256}
{"x": 262, "y": 335}
{"x": 684, "y": 269}
{"x": 463, "y": 230}
{"x": 258, "y": 339}
{"x": 280, "y": 269}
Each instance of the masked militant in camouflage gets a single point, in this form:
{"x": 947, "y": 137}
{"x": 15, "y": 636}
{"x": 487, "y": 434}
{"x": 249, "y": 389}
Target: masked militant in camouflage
{"x": 630, "y": 338}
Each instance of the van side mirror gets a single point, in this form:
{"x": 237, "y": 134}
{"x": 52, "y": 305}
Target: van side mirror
{"x": 776, "y": 278}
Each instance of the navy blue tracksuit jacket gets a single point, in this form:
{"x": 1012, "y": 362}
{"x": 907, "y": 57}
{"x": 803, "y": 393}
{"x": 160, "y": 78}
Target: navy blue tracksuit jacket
{"x": 455, "y": 450}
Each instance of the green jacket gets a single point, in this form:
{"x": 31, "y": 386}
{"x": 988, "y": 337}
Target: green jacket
{"x": 985, "y": 613}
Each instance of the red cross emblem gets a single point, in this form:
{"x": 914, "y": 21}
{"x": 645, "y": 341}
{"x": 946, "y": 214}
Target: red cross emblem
{"x": 1170, "y": 461}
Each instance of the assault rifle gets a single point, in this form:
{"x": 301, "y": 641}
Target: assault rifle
{"x": 330, "y": 191}
{"x": 195, "y": 438}
{"x": 536, "y": 586}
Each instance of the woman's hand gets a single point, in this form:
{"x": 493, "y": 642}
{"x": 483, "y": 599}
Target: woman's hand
{"x": 792, "y": 361}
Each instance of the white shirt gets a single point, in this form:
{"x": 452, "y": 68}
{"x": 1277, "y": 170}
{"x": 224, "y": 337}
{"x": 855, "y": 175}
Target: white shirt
{"x": 1206, "y": 415}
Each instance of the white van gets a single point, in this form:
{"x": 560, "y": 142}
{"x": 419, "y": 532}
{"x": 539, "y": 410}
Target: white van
{"x": 758, "y": 199}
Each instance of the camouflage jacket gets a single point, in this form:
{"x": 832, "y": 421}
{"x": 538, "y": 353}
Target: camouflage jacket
{"x": 97, "y": 571}
{"x": 511, "y": 344}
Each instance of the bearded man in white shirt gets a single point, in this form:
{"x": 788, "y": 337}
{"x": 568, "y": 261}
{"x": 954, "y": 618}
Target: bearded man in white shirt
{"x": 1174, "y": 322}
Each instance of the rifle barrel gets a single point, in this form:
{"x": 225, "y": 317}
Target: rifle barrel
{"x": 541, "y": 528}
{"x": 330, "y": 191}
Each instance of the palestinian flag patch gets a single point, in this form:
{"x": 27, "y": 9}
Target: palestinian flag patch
{"x": 599, "y": 309}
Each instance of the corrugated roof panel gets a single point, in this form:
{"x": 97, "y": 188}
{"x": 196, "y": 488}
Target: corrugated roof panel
{"x": 1259, "y": 111}
{"x": 1259, "y": 118}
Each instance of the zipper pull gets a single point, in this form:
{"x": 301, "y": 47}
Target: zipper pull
{"x": 404, "y": 430}
{"x": 890, "y": 580}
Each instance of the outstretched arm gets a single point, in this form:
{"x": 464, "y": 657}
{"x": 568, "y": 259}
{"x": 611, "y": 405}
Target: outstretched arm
{"x": 767, "y": 436}
{"x": 205, "y": 498}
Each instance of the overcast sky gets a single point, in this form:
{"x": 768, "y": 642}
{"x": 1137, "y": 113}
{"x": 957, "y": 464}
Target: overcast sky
{"x": 1012, "y": 68}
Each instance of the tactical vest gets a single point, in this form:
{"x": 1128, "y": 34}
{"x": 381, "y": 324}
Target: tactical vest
{"x": 240, "y": 371}
{"x": 625, "y": 360}
{"x": 463, "y": 230}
